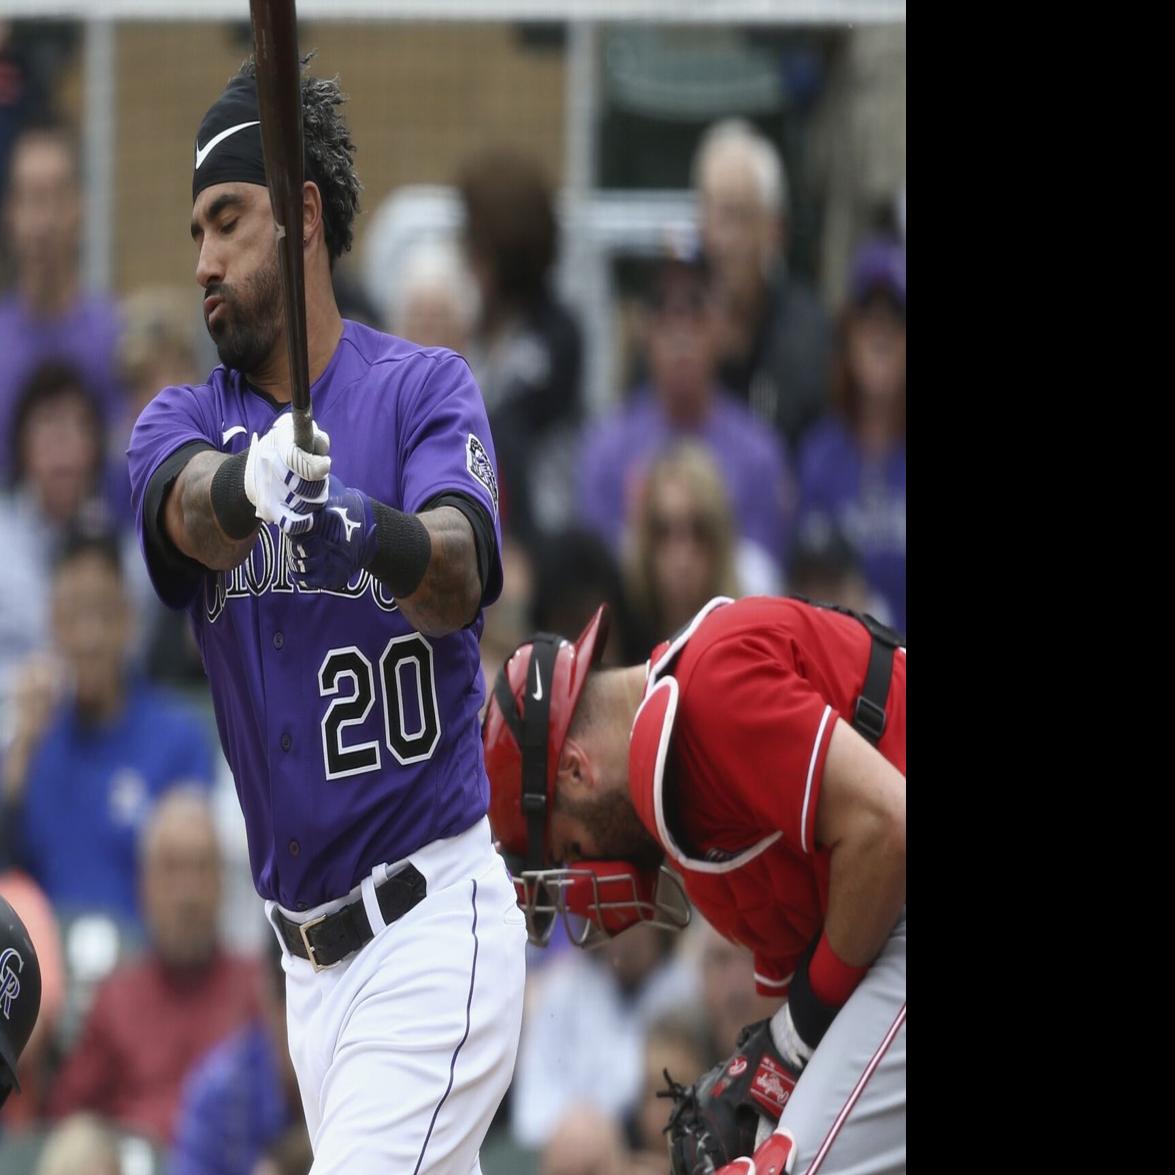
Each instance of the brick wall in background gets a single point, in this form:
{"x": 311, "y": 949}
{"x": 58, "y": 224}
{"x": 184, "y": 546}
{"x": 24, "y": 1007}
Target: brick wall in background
{"x": 421, "y": 99}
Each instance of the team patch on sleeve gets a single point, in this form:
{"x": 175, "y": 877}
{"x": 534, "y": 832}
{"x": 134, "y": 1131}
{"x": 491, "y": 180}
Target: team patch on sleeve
{"x": 477, "y": 461}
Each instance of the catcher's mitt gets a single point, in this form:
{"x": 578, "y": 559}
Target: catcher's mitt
{"x": 714, "y": 1121}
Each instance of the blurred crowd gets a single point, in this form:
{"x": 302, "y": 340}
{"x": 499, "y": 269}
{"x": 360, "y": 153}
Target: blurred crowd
{"x": 756, "y": 445}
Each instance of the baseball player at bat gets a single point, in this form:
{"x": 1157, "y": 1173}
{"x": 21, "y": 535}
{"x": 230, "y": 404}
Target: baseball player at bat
{"x": 758, "y": 759}
{"x": 337, "y": 597}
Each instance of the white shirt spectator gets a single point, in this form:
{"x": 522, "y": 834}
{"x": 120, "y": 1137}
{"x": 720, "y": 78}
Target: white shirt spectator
{"x": 583, "y": 1040}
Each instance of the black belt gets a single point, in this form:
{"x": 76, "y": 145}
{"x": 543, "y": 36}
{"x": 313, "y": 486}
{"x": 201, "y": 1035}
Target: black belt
{"x": 330, "y": 939}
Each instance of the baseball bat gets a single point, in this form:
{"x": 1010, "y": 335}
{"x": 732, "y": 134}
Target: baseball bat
{"x": 279, "y": 96}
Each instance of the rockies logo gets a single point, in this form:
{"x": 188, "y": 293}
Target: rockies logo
{"x": 9, "y": 979}
{"x": 477, "y": 461}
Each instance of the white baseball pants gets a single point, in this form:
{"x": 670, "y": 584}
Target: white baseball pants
{"x": 405, "y": 1049}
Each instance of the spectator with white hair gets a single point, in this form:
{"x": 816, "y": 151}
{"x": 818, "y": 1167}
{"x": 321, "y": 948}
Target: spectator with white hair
{"x": 775, "y": 342}
{"x": 435, "y": 301}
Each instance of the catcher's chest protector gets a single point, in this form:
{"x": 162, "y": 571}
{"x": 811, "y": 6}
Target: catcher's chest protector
{"x": 769, "y": 897}
{"x": 766, "y": 890}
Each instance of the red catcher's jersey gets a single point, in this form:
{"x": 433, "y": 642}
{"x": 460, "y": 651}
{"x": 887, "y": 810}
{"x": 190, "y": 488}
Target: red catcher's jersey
{"x": 727, "y": 759}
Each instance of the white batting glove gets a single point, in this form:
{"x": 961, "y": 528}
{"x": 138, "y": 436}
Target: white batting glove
{"x": 285, "y": 483}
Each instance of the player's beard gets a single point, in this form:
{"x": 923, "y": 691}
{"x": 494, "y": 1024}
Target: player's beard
{"x": 615, "y": 828}
{"x": 249, "y": 326}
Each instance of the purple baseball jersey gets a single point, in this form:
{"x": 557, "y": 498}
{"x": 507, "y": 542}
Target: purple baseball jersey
{"x": 353, "y": 739}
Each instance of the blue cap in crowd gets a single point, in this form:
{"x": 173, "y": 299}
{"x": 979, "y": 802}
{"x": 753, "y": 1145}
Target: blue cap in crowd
{"x": 879, "y": 267}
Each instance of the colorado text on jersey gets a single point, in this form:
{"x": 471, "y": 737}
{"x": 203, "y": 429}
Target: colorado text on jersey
{"x": 267, "y": 570}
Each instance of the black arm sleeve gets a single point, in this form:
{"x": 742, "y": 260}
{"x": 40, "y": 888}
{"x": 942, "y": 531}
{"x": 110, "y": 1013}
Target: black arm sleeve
{"x": 403, "y": 549}
{"x": 234, "y": 512}
{"x": 175, "y": 576}
{"x": 489, "y": 569}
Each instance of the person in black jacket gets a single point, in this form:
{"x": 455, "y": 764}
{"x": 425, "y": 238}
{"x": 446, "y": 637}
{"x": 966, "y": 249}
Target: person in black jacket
{"x": 527, "y": 349}
{"x": 776, "y": 338}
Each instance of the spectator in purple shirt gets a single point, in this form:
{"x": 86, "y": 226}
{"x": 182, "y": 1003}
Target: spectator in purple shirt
{"x": 853, "y": 465}
{"x": 46, "y": 315}
{"x": 681, "y": 401}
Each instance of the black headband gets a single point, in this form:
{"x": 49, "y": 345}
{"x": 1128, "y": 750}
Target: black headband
{"x": 228, "y": 143}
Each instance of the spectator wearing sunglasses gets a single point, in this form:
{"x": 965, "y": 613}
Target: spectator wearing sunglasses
{"x": 682, "y": 544}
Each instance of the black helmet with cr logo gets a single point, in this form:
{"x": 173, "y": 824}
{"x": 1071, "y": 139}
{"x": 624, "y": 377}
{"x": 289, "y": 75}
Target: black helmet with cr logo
{"x": 20, "y": 994}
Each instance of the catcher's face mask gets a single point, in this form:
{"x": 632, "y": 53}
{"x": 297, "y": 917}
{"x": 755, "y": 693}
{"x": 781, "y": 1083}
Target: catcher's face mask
{"x": 599, "y": 899}
{"x": 525, "y": 726}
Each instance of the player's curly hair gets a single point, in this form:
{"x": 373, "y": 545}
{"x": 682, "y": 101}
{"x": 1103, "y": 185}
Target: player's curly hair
{"x": 329, "y": 154}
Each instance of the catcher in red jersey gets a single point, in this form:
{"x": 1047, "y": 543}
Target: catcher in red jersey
{"x": 757, "y": 762}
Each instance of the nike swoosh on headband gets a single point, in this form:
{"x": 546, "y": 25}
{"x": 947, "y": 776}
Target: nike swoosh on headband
{"x": 202, "y": 152}
{"x": 538, "y": 685}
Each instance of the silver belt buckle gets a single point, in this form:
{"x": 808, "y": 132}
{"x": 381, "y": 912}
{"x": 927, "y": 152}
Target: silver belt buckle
{"x": 310, "y": 955}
